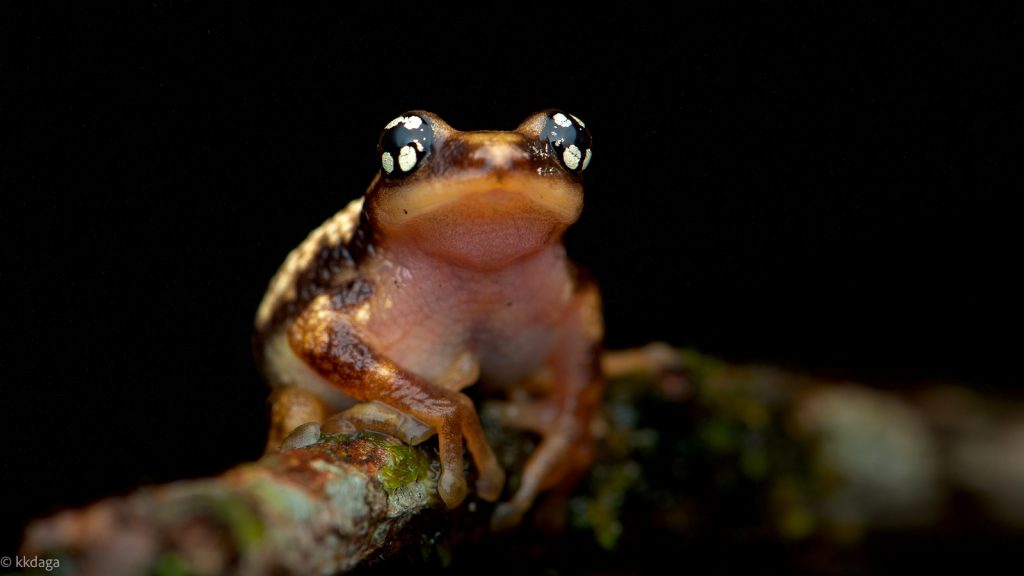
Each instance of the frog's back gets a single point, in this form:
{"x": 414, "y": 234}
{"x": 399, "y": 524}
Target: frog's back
{"x": 326, "y": 258}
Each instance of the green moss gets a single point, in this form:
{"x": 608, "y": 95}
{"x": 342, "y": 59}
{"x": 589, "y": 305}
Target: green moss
{"x": 404, "y": 464}
{"x": 755, "y": 464}
{"x": 242, "y": 521}
{"x": 796, "y": 523}
{"x": 720, "y": 437}
{"x": 170, "y": 564}
{"x": 600, "y": 511}
{"x": 334, "y": 438}
{"x": 231, "y": 509}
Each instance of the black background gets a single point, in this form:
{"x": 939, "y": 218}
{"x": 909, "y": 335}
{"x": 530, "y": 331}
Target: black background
{"x": 818, "y": 187}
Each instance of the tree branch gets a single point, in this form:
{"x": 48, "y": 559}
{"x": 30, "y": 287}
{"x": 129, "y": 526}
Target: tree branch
{"x": 320, "y": 509}
{"x": 688, "y": 436}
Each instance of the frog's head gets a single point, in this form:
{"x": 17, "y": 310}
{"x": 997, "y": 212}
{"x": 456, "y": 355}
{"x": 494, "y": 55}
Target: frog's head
{"x": 478, "y": 199}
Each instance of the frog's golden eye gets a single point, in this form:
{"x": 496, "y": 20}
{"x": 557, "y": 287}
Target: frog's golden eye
{"x": 405, "y": 144}
{"x": 569, "y": 140}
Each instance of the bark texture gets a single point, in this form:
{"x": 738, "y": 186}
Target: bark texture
{"x": 695, "y": 450}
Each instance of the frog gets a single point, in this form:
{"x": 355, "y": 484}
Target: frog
{"x": 449, "y": 272}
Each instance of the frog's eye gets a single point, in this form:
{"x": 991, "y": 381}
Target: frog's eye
{"x": 569, "y": 140}
{"x": 404, "y": 144}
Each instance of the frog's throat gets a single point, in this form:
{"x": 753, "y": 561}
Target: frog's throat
{"x": 490, "y": 197}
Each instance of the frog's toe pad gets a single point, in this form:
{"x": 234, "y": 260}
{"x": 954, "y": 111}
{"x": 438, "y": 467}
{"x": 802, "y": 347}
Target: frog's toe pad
{"x": 452, "y": 488}
{"x": 506, "y": 516}
{"x": 490, "y": 483}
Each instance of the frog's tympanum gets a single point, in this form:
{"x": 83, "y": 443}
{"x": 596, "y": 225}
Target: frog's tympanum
{"x": 449, "y": 272}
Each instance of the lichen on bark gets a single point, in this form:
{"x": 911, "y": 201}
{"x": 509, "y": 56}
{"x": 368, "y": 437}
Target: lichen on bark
{"x": 695, "y": 452}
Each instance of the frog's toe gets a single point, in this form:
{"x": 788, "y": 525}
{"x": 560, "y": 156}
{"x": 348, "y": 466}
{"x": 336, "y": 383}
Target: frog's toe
{"x": 452, "y": 487}
{"x": 301, "y": 437}
{"x": 506, "y": 516}
{"x": 490, "y": 483}
{"x": 291, "y": 407}
{"x": 379, "y": 417}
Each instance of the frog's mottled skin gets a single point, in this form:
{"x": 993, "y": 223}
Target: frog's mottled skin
{"x": 447, "y": 273}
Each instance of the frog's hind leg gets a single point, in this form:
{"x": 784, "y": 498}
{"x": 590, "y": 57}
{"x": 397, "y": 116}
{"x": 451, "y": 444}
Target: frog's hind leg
{"x": 291, "y": 407}
{"x": 567, "y": 418}
{"x": 653, "y": 359}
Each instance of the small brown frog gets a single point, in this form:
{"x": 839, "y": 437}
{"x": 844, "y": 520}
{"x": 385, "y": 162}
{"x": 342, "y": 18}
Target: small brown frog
{"x": 449, "y": 272}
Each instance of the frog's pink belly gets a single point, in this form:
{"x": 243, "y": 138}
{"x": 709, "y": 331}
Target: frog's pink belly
{"x": 505, "y": 362}
{"x": 507, "y": 320}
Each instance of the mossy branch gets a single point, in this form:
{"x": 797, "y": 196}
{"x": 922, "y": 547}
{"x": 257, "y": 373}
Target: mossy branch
{"x": 320, "y": 509}
{"x": 793, "y": 458}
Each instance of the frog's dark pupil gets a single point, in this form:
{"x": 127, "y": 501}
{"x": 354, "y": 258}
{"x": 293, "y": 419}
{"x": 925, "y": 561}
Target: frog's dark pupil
{"x": 406, "y": 141}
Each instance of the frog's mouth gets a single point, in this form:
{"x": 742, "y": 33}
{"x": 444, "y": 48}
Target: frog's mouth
{"x": 483, "y": 223}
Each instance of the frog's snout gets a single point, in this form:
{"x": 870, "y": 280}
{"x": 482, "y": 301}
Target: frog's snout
{"x": 499, "y": 152}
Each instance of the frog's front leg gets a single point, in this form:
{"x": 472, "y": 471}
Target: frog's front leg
{"x": 326, "y": 339}
{"x": 566, "y": 417}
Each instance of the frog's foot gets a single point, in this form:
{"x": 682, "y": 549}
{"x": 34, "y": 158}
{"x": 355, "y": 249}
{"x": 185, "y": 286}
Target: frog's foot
{"x": 564, "y": 453}
{"x": 454, "y": 423}
{"x": 305, "y": 435}
{"x": 453, "y": 416}
{"x": 457, "y": 419}
{"x": 553, "y": 461}
{"x": 290, "y": 408}
{"x": 379, "y": 417}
